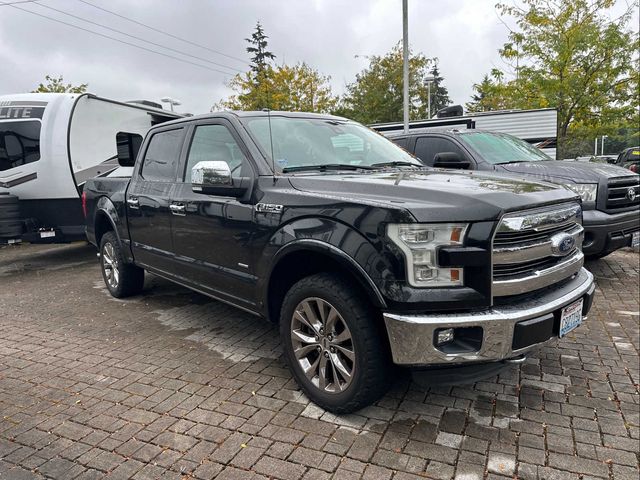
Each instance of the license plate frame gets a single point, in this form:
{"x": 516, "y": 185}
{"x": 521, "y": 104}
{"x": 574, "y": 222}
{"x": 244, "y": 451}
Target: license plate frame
{"x": 571, "y": 317}
{"x": 635, "y": 239}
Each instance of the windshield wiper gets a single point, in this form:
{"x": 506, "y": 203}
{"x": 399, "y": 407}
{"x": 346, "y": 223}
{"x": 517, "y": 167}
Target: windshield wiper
{"x": 326, "y": 166}
{"x": 397, "y": 164}
{"x": 517, "y": 161}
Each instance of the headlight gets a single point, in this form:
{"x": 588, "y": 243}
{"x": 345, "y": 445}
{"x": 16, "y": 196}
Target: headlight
{"x": 587, "y": 191}
{"x": 419, "y": 243}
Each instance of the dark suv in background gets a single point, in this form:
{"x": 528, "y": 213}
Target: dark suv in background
{"x": 610, "y": 194}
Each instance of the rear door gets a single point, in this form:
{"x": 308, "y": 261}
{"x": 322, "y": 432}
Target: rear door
{"x": 212, "y": 234}
{"x": 148, "y": 199}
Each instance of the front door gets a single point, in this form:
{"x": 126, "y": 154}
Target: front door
{"x": 148, "y": 199}
{"x": 212, "y": 234}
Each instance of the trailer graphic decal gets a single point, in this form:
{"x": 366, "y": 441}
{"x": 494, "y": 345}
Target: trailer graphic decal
{"x": 21, "y": 109}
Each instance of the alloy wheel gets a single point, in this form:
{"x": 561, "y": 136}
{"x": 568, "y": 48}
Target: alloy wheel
{"x": 323, "y": 345}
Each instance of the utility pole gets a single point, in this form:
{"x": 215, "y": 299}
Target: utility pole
{"x": 405, "y": 65}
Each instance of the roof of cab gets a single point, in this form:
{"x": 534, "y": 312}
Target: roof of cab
{"x": 256, "y": 113}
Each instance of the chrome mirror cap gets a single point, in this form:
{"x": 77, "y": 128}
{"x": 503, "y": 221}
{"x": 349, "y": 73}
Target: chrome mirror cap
{"x": 210, "y": 173}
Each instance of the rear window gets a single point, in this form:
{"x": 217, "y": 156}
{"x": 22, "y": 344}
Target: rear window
{"x": 162, "y": 155}
{"x": 19, "y": 143}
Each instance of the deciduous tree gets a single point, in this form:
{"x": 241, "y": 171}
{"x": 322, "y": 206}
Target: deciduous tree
{"x": 571, "y": 55}
{"x": 57, "y": 85}
{"x": 376, "y": 94}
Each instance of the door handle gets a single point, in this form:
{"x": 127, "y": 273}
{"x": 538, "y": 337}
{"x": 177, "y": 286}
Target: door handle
{"x": 177, "y": 209}
{"x": 133, "y": 203}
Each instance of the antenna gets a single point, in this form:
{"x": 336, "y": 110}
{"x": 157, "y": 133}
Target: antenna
{"x": 273, "y": 158}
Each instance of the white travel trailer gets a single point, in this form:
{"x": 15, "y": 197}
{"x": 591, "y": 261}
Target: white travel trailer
{"x": 538, "y": 127}
{"x": 50, "y": 144}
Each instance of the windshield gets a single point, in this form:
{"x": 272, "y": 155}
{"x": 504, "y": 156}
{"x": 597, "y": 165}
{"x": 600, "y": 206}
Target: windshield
{"x": 19, "y": 143}
{"x": 309, "y": 143}
{"x": 497, "y": 148}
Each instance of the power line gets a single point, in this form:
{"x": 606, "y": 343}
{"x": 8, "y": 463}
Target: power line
{"x": 116, "y": 39}
{"x": 163, "y": 32}
{"x": 15, "y": 3}
{"x": 135, "y": 37}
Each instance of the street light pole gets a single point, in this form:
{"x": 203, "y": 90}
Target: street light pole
{"x": 429, "y": 80}
{"x": 170, "y": 101}
{"x": 602, "y": 144}
{"x": 405, "y": 66}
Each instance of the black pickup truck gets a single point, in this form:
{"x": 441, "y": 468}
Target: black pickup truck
{"x": 610, "y": 194}
{"x": 363, "y": 256}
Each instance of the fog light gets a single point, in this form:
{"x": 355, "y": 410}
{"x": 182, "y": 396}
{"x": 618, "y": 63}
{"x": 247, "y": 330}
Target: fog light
{"x": 444, "y": 335}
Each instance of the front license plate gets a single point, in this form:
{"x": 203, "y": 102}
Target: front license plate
{"x": 635, "y": 239}
{"x": 570, "y": 317}
{"x": 47, "y": 234}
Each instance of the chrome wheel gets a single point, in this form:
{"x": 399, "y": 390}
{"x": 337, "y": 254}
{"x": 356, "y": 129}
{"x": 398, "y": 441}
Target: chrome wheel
{"x": 110, "y": 265}
{"x": 322, "y": 345}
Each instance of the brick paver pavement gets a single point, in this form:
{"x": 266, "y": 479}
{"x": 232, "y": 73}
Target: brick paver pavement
{"x": 173, "y": 385}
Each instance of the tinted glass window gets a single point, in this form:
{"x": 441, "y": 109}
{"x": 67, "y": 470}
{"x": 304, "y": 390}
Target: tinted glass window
{"x": 313, "y": 142}
{"x": 162, "y": 155}
{"x": 19, "y": 143}
{"x": 427, "y": 147}
{"x": 214, "y": 143}
{"x": 499, "y": 148}
{"x": 401, "y": 142}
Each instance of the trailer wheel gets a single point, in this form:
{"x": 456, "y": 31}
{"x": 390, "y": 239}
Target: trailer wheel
{"x": 10, "y": 221}
{"x": 334, "y": 347}
{"x": 122, "y": 279}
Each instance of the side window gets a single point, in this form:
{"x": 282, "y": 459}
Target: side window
{"x": 427, "y": 147}
{"x": 162, "y": 155}
{"x": 401, "y": 142}
{"x": 214, "y": 143}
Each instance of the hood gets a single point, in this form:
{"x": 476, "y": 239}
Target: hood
{"x": 566, "y": 171}
{"x": 434, "y": 195}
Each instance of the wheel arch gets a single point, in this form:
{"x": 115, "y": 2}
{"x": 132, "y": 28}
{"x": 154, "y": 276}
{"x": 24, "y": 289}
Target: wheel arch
{"x": 304, "y": 257}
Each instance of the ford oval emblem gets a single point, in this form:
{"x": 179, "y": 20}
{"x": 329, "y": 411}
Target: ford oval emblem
{"x": 561, "y": 244}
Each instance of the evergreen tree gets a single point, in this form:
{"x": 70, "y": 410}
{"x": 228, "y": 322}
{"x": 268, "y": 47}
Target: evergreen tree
{"x": 439, "y": 93}
{"x": 258, "y": 49}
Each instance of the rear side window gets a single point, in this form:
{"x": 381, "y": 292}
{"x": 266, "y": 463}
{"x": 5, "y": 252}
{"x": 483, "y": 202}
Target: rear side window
{"x": 19, "y": 143}
{"x": 428, "y": 147}
{"x": 162, "y": 155}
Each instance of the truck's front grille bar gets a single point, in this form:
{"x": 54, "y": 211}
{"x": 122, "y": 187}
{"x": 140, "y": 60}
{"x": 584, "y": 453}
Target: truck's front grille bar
{"x": 536, "y": 248}
{"x": 623, "y": 192}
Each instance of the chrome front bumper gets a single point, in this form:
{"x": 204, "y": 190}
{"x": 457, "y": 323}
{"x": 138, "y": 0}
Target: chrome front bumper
{"x": 412, "y": 336}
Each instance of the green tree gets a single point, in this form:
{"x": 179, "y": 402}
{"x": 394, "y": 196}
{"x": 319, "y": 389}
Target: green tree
{"x": 376, "y": 94}
{"x": 292, "y": 88}
{"x": 258, "y": 49}
{"x": 573, "y": 56}
{"x": 57, "y": 85}
{"x": 439, "y": 93}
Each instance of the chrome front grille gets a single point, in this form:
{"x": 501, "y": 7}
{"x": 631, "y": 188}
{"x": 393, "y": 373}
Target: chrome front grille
{"x": 623, "y": 192}
{"x": 536, "y": 248}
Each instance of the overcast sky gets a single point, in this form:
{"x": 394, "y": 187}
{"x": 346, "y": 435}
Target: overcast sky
{"x": 330, "y": 35}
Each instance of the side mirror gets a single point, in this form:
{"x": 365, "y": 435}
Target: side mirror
{"x": 450, "y": 160}
{"x": 214, "y": 178}
{"x": 127, "y": 147}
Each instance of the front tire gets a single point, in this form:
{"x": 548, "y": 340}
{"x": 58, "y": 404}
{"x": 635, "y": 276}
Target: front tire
{"x": 122, "y": 279}
{"x": 334, "y": 344}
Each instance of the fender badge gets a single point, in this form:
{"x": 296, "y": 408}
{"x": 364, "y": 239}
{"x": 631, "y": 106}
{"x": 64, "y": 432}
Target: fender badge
{"x": 268, "y": 208}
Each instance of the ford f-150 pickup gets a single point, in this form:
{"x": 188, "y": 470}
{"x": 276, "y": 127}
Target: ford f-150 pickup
{"x": 364, "y": 257}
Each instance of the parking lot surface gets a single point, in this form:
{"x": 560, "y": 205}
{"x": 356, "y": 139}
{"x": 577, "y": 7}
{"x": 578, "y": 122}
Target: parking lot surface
{"x": 171, "y": 384}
